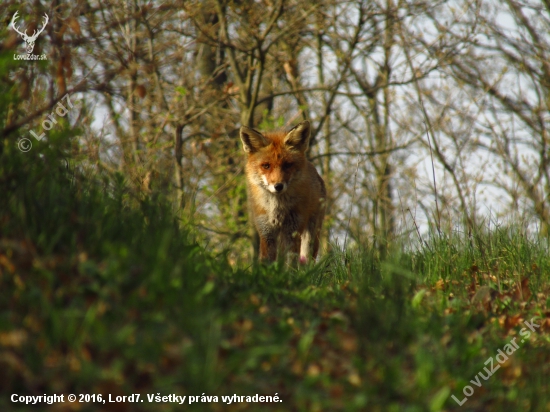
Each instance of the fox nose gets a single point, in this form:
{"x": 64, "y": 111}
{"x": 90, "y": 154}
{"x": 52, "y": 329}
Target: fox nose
{"x": 279, "y": 187}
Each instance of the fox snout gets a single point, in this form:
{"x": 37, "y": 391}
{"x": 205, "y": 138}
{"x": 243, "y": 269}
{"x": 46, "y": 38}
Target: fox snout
{"x": 277, "y": 187}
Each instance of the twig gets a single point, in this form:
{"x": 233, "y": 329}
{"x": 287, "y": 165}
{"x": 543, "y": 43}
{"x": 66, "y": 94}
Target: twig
{"x": 351, "y": 204}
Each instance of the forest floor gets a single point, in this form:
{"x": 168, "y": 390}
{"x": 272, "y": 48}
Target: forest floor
{"x": 105, "y": 299}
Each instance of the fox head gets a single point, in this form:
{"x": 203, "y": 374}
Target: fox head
{"x": 275, "y": 159}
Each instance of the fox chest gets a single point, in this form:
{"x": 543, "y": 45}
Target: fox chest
{"x": 273, "y": 215}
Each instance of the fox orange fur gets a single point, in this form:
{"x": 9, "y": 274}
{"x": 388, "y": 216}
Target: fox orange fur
{"x": 286, "y": 195}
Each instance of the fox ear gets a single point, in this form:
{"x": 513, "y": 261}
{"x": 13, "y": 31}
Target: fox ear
{"x": 298, "y": 137}
{"x": 252, "y": 140}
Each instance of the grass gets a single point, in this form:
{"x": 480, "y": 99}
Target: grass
{"x": 106, "y": 294}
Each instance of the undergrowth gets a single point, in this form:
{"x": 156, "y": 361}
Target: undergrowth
{"x": 103, "y": 293}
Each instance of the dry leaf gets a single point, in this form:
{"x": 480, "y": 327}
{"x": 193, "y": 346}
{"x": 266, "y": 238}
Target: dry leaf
{"x": 484, "y": 296}
{"x": 13, "y": 338}
{"x": 439, "y": 285}
{"x": 74, "y": 25}
{"x": 522, "y": 292}
{"x": 313, "y": 370}
{"x": 354, "y": 379}
{"x": 141, "y": 91}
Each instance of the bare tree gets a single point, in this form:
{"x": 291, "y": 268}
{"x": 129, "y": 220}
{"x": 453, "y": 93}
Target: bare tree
{"x": 423, "y": 114}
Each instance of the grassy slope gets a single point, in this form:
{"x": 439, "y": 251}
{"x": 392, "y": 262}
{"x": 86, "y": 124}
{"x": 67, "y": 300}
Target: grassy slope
{"x": 100, "y": 297}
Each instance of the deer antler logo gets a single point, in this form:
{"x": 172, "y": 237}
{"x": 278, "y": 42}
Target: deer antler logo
{"x": 29, "y": 39}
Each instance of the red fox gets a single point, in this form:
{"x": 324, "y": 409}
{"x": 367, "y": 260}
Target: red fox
{"x": 286, "y": 195}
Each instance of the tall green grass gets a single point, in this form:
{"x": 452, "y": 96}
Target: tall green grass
{"x": 103, "y": 292}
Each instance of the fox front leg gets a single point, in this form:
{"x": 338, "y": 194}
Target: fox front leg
{"x": 290, "y": 246}
{"x": 310, "y": 240}
{"x": 305, "y": 247}
{"x": 268, "y": 248}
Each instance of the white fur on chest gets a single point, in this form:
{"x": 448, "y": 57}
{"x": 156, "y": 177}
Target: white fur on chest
{"x": 277, "y": 207}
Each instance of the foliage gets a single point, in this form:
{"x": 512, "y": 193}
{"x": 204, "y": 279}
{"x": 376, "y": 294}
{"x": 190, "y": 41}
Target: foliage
{"x": 422, "y": 114}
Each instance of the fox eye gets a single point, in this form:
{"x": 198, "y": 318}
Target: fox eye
{"x": 266, "y": 166}
{"x": 287, "y": 165}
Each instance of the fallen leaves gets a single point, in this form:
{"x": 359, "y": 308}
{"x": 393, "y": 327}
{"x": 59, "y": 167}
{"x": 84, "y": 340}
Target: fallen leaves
{"x": 13, "y": 338}
{"x": 484, "y": 297}
{"x": 313, "y": 370}
{"x": 354, "y": 379}
{"x": 508, "y": 322}
{"x": 6, "y": 263}
{"x": 521, "y": 291}
{"x": 348, "y": 341}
